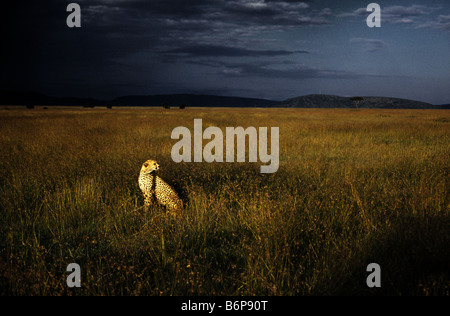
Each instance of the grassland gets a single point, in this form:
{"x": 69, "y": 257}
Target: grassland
{"x": 354, "y": 187}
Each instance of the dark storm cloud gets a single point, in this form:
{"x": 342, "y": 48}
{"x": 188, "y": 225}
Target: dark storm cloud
{"x": 165, "y": 20}
{"x": 209, "y": 12}
{"x": 168, "y": 46}
{"x": 227, "y": 51}
{"x": 183, "y": 20}
{"x": 122, "y": 28}
{"x": 272, "y": 13}
{"x": 114, "y": 32}
{"x": 414, "y": 15}
{"x": 393, "y": 11}
{"x": 299, "y": 72}
{"x": 272, "y": 70}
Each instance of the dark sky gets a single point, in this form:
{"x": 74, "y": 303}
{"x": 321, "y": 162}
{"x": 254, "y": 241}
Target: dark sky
{"x": 274, "y": 49}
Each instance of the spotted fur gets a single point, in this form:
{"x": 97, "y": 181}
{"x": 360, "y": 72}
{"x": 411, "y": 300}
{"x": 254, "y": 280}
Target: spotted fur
{"x": 156, "y": 189}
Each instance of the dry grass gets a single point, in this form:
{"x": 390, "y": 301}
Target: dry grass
{"x": 354, "y": 187}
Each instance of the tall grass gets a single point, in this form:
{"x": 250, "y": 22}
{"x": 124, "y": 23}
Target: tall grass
{"x": 354, "y": 187}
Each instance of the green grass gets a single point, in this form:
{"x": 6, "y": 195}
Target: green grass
{"x": 354, "y": 187}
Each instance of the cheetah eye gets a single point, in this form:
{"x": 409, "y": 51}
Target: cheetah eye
{"x": 146, "y": 165}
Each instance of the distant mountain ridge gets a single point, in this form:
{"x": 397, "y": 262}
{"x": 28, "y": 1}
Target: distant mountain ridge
{"x": 333, "y": 101}
{"x": 194, "y": 100}
{"x": 172, "y": 100}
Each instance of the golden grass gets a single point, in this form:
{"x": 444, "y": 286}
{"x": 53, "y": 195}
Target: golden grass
{"x": 354, "y": 187}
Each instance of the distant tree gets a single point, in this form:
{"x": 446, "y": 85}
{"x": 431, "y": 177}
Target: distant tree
{"x": 166, "y": 105}
{"x": 182, "y": 107}
{"x": 30, "y": 106}
{"x": 109, "y": 106}
{"x": 357, "y": 101}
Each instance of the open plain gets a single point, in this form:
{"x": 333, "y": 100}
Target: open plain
{"x": 353, "y": 188}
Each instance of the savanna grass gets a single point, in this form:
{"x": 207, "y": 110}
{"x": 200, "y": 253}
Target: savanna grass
{"x": 354, "y": 187}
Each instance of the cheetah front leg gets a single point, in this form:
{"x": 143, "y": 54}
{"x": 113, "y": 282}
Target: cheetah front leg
{"x": 148, "y": 202}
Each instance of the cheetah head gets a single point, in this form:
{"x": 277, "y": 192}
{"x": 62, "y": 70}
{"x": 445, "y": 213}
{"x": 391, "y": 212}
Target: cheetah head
{"x": 149, "y": 166}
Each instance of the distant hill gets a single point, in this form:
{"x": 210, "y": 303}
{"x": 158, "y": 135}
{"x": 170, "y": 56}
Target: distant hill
{"x": 194, "y": 100}
{"x": 332, "y": 101}
{"x": 173, "y": 100}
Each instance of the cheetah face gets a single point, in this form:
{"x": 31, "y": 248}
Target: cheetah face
{"x": 149, "y": 166}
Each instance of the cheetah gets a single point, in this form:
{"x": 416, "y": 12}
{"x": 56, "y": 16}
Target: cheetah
{"x": 155, "y": 188}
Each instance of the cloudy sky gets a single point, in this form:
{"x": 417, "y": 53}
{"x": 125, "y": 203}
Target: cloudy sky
{"x": 274, "y": 49}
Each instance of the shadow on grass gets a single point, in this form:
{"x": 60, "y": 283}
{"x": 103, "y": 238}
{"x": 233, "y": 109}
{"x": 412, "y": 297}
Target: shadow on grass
{"x": 414, "y": 257}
